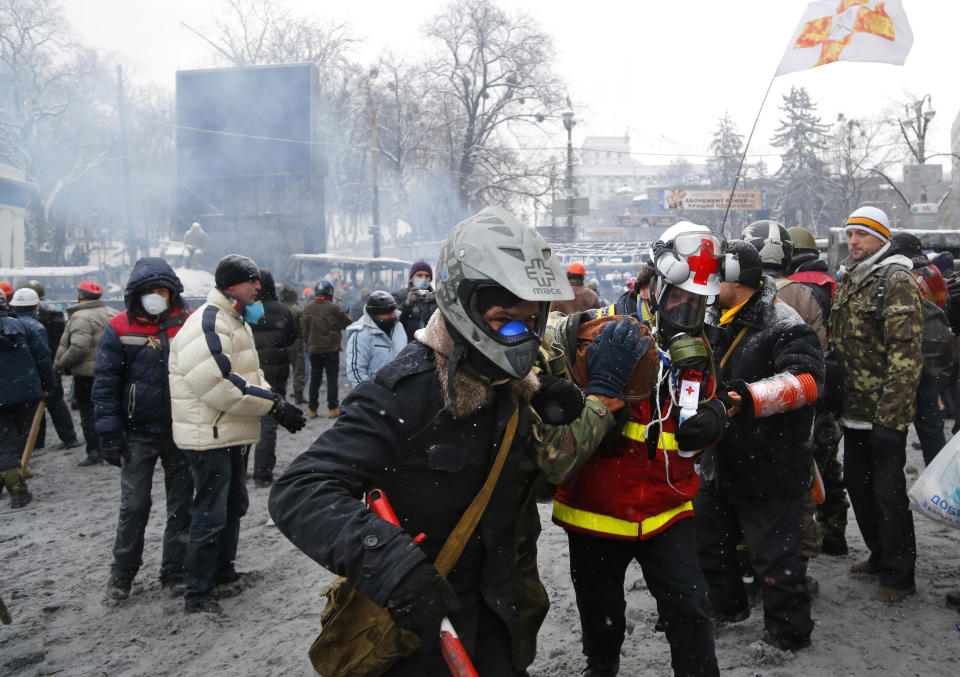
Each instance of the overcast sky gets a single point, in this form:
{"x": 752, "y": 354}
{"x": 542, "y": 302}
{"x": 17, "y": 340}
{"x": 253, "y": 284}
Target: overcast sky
{"x": 662, "y": 71}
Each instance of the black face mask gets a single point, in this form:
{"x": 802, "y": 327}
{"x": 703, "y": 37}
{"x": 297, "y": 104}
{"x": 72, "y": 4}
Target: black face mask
{"x": 386, "y": 326}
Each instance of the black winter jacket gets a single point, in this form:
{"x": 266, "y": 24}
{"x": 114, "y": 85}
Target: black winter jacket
{"x": 395, "y": 434}
{"x": 769, "y": 457}
{"x": 54, "y": 321}
{"x": 131, "y": 391}
{"x": 415, "y": 316}
{"x": 273, "y": 334}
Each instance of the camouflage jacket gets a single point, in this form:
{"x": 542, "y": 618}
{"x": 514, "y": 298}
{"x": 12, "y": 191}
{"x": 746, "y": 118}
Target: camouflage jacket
{"x": 557, "y": 451}
{"x": 878, "y": 343}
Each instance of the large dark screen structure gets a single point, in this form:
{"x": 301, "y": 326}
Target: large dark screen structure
{"x": 247, "y": 166}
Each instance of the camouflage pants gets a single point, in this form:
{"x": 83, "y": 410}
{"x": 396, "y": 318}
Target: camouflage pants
{"x": 832, "y": 513}
{"x": 812, "y": 536}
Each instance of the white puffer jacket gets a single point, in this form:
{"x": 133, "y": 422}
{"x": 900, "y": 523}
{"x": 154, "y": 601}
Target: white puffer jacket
{"x": 217, "y": 390}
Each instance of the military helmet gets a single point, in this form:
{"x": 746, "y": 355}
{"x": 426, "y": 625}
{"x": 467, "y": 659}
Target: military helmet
{"x": 324, "y": 288}
{"x": 36, "y": 286}
{"x": 773, "y": 242}
{"x": 493, "y": 249}
{"x": 803, "y": 240}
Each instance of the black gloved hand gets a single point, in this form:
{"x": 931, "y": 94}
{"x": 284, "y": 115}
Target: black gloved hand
{"x": 703, "y": 428}
{"x": 112, "y": 454}
{"x": 288, "y": 415}
{"x": 882, "y": 440}
{"x": 420, "y": 601}
{"x": 612, "y": 356}
{"x": 557, "y": 402}
{"x": 826, "y": 431}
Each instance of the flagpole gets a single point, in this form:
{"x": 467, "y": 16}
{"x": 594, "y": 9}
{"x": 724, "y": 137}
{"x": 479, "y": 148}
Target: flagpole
{"x": 736, "y": 179}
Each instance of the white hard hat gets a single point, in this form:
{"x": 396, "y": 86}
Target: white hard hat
{"x": 24, "y": 298}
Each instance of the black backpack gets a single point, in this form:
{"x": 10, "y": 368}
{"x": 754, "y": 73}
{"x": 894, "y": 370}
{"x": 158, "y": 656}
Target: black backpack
{"x": 938, "y": 338}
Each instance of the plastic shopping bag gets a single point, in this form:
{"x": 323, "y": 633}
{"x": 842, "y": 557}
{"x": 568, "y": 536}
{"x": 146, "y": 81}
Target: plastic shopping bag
{"x": 936, "y": 493}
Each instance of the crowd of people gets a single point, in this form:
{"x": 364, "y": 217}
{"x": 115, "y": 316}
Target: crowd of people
{"x": 693, "y": 425}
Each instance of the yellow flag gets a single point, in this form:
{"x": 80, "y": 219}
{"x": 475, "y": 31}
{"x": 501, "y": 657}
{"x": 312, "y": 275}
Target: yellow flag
{"x": 848, "y": 30}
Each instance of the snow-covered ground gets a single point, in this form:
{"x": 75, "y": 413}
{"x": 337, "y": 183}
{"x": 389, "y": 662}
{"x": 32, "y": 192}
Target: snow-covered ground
{"x": 55, "y": 554}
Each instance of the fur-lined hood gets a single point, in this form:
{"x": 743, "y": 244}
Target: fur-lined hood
{"x": 471, "y": 391}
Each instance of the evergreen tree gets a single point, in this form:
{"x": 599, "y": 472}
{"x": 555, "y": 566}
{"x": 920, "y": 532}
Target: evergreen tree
{"x": 726, "y": 147}
{"x": 803, "y": 172}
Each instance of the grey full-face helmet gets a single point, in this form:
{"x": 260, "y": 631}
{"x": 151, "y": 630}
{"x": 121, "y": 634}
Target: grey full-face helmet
{"x": 493, "y": 249}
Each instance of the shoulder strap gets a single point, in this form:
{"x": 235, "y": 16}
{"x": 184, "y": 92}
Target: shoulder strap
{"x": 733, "y": 345}
{"x": 458, "y": 538}
{"x": 782, "y": 282}
{"x": 881, "y": 288}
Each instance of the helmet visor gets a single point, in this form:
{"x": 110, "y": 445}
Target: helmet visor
{"x": 683, "y": 310}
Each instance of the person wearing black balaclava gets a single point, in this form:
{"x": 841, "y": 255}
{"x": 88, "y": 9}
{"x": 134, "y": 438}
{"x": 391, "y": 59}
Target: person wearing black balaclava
{"x": 375, "y": 339}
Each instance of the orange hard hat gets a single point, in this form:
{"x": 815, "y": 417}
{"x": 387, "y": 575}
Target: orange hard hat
{"x": 7, "y": 288}
{"x": 576, "y": 269}
{"x": 307, "y": 291}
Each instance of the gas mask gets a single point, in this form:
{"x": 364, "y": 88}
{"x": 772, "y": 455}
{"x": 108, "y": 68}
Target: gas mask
{"x": 679, "y": 320}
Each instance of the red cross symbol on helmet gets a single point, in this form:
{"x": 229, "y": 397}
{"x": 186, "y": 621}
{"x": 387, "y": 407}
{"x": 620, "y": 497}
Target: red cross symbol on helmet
{"x": 704, "y": 264}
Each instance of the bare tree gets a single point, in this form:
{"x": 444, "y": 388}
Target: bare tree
{"x": 493, "y": 73}
{"x": 56, "y": 115}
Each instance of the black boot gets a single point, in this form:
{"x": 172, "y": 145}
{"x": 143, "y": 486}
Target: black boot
{"x": 602, "y": 667}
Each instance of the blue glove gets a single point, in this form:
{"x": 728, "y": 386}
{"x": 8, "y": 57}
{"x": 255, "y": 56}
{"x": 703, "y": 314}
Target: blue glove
{"x": 612, "y": 356}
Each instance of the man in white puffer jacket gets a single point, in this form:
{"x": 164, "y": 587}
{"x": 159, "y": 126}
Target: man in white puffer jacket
{"x": 218, "y": 395}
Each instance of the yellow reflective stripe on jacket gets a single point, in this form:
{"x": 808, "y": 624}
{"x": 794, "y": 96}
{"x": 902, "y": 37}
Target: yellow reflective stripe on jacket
{"x": 605, "y": 524}
{"x": 657, "y": 522}
{"x": 606, "y": 310}
{"x": 592, "y": 521}
{"x": 637, "y": 432}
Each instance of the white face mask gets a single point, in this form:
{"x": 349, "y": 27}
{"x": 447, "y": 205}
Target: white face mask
{"x": 154, "y": 304}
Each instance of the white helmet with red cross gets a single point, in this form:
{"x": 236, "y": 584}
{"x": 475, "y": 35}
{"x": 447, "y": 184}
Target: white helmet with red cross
{"x": 689, "y": 256}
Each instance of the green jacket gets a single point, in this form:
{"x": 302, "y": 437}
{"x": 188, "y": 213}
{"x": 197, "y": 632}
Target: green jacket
{"x": 878, "y": 343}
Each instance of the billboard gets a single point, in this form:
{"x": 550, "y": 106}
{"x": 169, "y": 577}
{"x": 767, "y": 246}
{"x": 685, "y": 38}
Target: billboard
{"x": 248, "y": 166}
{"x": 679, "y": 198}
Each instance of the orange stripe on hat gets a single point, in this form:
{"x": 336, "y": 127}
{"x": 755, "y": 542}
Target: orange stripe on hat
{"x": 869, "y": 223}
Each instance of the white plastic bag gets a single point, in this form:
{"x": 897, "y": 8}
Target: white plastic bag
{"x": 936, "y": 493}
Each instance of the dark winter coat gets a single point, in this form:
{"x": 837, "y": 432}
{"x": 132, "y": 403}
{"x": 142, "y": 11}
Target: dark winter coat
{"x": 273, "y": 334}
{"x": 24, "y": 360}
{"x": 396, "y": 433}
{"x": 415, "y": 315}
{"x": 811, "y": 271}
{"x": 765, "y": 458}
{"x": 323, "y": 324}
{"x": 54, "y": 322}
{"x": 131, "y": 391}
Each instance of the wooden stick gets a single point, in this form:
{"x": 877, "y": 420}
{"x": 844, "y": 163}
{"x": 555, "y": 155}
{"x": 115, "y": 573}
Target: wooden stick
{"x": 31, "y": 440}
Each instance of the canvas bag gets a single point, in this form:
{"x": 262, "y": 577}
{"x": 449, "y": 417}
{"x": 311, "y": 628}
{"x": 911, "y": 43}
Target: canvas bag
{"x": 936, "y": 493}
{"x": 358, "y": 637}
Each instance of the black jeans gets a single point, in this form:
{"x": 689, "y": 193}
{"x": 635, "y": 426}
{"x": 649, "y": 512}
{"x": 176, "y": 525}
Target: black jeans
{"x": 772, "y": 530}
{"x": 670, "y": 568}
{"x": 83, "y": 386}
{"x": 265, "y": 452}
{"x": 59, "y": 414}
{"x": 321, "y": 363}
{"x": 220, "y": 501}
{"x": 929, "y": 420}
{"x": 140, "y": 454}
{"x": 878, "y": 492}
{"x": 15, "y": 422}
